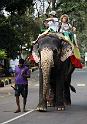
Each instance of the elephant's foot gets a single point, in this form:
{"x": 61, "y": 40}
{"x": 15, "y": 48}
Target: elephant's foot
{"x": 67, "y": 103}
{"x": 51, "y": 103}
{"x": 60, "y": 108}
{"x": 42, "y": 107}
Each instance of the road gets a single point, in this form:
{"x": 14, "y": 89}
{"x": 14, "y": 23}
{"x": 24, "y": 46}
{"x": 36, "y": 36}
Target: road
{"x": 76, "y": 114}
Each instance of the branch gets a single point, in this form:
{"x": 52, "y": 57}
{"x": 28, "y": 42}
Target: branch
{"x": 58, "y": 5}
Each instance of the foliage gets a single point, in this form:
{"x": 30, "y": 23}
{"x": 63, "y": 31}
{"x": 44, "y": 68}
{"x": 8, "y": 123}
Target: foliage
{"x": 22, "y": 27}
{"x": 15, "y": 6}
{"x": 19, "y": 28}
{"x": 8, "y": 39}
{"x": 77, "y": 11}
{"x": 2, "y": 54}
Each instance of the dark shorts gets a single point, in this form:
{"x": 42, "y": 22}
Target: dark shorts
{"x": 21, "y": 89}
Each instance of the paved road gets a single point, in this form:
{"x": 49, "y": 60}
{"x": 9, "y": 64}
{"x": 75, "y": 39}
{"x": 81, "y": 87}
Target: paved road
{"x": 76, "y": 114}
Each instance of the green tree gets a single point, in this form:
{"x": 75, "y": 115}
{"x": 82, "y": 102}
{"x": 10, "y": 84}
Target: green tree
{"x": 19, "y": 27}
{"x": 8, "y": 39}
{"x": 15, "y": 6}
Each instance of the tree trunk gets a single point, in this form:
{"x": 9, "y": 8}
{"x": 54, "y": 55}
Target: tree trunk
{"x": 53, "y": 4}
{"x": 6, "y": 66}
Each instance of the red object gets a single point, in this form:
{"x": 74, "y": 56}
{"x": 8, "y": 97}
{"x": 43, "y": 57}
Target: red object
{"x": 31, "y": 58}
{"x": 76, "y": 62}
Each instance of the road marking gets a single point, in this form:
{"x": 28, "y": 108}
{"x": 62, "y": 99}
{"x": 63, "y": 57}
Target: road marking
{"x": 1, "y": 96}
{"x": 80, "y": 71}
{"x": 81, "y": 85}
{"x": 13, "y": 119}
{"x": 36, "y": 85}
{"x": 5, "y": 95}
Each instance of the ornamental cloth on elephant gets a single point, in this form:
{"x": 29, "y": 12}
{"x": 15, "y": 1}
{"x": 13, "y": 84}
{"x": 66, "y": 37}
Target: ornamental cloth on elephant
{"x": 75, "y": 55}
{"x": 69, "y": 48}
{"x": 66, "y": 51}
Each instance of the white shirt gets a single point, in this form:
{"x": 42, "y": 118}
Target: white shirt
{"x": 65, "y": 27}
{"x": 54, "y": 24}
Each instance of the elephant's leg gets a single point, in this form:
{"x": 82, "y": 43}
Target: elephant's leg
{"x": 42, "y": 106}
{"x": 43, "y": 93}
{"x": 39, "y": 106}
{"x": 59, "y": 98}
{"x": 67, "y": 95}
{"x": 50, "y": 99}
{"x": 59, "y": 94}
{"x": 40, "y": 85}
{"x": 60, "y": 86}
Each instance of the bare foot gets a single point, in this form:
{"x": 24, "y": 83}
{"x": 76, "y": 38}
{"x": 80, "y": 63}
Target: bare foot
{"x": 17, "y": 111}
{"x": 24, "y": 110}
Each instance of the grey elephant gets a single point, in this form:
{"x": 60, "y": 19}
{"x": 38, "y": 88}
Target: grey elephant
{"x": 52, "y": 72}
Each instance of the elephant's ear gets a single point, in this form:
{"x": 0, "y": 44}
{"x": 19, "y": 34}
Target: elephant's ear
{"x": 35, "y": 53}
{"x": 35, "y": 47}
{"x": 67, "y": 50}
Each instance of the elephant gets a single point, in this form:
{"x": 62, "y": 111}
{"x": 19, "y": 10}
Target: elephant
{"x": 52, "y": 72}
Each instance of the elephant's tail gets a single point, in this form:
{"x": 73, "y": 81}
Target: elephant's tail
{"x": 73, "y": 89}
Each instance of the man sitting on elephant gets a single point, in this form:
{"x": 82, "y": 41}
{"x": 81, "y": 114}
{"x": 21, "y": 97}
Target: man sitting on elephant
{"x": 51, "y": 24}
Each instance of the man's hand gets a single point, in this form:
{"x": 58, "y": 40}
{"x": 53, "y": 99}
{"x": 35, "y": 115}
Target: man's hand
{"x": 74, "y": 29}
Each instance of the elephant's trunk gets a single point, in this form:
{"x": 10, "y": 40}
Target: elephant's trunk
{"x": 46, "y": 64}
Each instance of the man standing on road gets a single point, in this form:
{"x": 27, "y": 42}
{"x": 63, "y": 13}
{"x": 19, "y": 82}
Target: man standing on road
{"x": 22, "y": 72}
